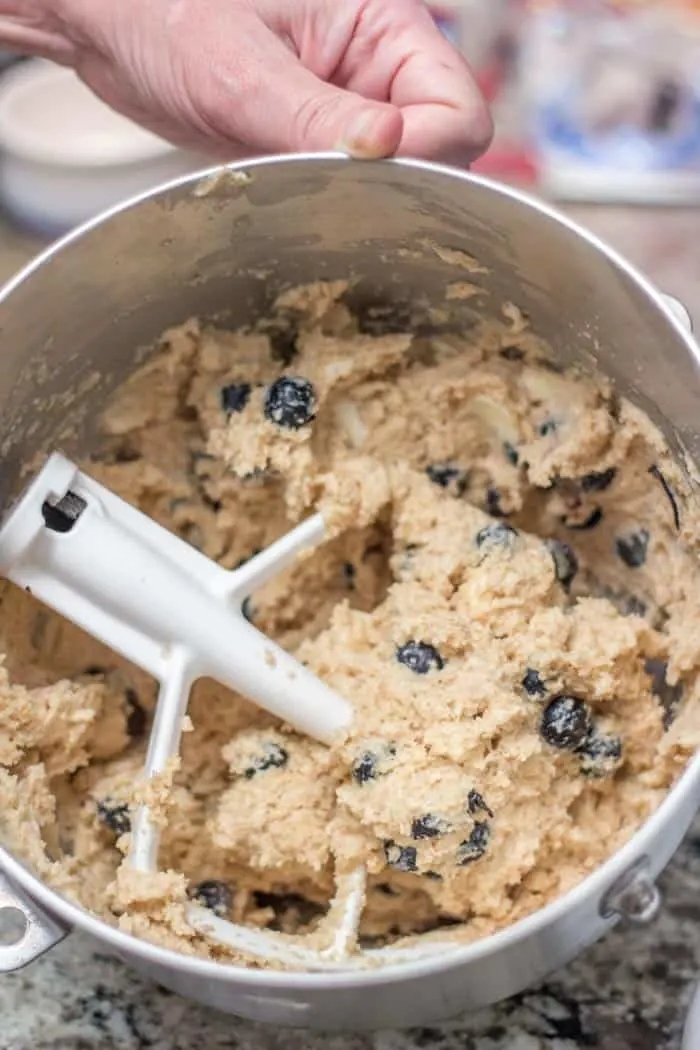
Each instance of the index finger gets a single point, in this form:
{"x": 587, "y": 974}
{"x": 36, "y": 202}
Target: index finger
{"x": 399, "y": 55}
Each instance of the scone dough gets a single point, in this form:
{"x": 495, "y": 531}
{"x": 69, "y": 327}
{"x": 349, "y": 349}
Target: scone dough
{"x": 508, "y": 596}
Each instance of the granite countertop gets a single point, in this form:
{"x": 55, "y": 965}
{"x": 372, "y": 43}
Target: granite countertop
{"x": 629, "y": 992}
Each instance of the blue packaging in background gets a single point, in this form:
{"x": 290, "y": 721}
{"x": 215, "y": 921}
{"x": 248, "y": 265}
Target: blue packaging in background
{"x": 614, "y": 98}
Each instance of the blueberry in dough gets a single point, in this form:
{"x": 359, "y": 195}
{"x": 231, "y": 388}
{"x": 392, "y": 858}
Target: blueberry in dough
{"x": 565, "y": 561}
{"x": 565, "y": 723}
{"x": 214, "y": 895}
{"x": 401, "y": 858}
{"x": 290, "y": 402}
{"x": 632, "y": 549}
{"x": 600, "y": 755}
{"x": 235, "y": 397}
{"x": 115, "y": 816}
{"x": 533, "y": 684}
{"x": 669, "y": 696}
{"x": 494, "y": 507}
{"x": 511, "y": 453}
{"x": 446, "y": 475}
{"x": 476, "y": 803}
{"x": 476, "y": 845}
{"x": 429, "y": 827}
{"x": 365, "y": 768}
{"x": 634, "y": 607}
{"x": 420, "y": 657}
{"x": 497, "y": 535}
{"x": 591, "y": 521}
{"x": 370, "y": 764}
{"x": 598, "y": 482}
{"x": 656, "y": 473}
{"x": 550, "y": 426}
{"x": 272, "y": 757}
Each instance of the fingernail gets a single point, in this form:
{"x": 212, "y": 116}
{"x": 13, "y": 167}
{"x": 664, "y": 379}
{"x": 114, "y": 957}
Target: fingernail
{"x": 368, "y": 135}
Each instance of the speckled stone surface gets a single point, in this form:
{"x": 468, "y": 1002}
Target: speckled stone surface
{"x": 630, "y": 992}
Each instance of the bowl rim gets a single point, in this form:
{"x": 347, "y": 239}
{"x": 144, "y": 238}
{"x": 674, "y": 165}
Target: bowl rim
{"x": 19, "y": 141}
{"x": 592, "y": 887}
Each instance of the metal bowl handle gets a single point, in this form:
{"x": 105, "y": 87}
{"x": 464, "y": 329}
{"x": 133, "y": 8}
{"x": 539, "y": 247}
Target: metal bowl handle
{"x": 679, "y": 311}
{"x": 41, "y": 931}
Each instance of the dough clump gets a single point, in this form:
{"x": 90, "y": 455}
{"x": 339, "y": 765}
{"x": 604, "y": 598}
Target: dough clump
{"x": 508, "y": 595}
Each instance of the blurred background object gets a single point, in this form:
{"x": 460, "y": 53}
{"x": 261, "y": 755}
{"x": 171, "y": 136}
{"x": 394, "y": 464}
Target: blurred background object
{"x": 593, "y": 99}
{"x": 489, "y": 34}
{"x": 613, "y": 91}
{"x": 65, "y": 156}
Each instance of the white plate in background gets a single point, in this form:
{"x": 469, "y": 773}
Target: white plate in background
{"x": 65, "y": 156}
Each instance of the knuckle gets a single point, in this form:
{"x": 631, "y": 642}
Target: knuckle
{"x": 314, "y": 121}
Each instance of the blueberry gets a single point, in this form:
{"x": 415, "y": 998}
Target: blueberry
{"x": 633, "y": 549}
{"x": 349, "y": 574}
{"x": 550, "y": 426}
{"x": 115, "y": 816}
{"x": 592, "y": 521}
{"x": 420, "y": 657}
{"x": 532, "y": 683}
{"x": 214, "y": 895}
{"x": 598, "y": 482}
{"x": 429, "y": 827}
{"x": 493, "y": 504}
{"x": 477, "y": 804}
{"x": 476, "y": 845}
{"x": 248, "y": 610}
{"x": 497, "y": 535}
{"x": 235, "y": 397}
{"x": 565, "y": 561}
{"x": 634, "y": 607}
{"x": 290, "y": 402}
{"x": 370, "y": 764}
{"x": 445, "y": 475}
{"x": 511, "y": 453}
{"x": 512, "y": 353}
{"x": 600, "y": 755}
{"x": 402, "y": 858}
{"x": 566, "y": 723}
{"x": 656, "y": 473}
{"x": 273, "y": 757}
{"x": 364, "y": 768}
{"x": 136, "y": 717}
{"x": 669, "y": 696}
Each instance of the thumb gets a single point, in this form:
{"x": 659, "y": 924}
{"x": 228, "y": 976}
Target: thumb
{"x": 308, "y": 114}
{"x": 284, "y": 106}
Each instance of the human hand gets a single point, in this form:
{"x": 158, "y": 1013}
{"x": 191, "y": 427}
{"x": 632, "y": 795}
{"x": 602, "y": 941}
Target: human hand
{"x": 372, "y": 78}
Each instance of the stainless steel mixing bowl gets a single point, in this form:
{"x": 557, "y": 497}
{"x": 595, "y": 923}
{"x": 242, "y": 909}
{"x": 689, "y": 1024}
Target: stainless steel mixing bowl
{"x": 74, "y": 323}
